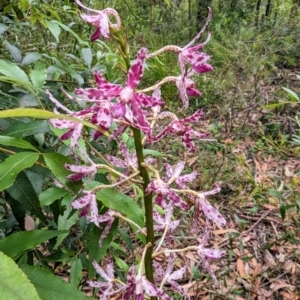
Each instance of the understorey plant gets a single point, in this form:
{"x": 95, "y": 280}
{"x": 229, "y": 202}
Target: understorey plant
{"x": 125, "y": 113}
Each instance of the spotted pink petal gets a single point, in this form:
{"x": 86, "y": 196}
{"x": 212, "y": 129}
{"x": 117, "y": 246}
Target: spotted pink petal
{"x": 139, "y": 118}
{"x": 177, "y": 200}
{"x": 182, "y": 180}
{"x": 105, "y": 275}
{"x": 152, "y": 290}
{"x": 194, "y": 117}
{"x": 136, "y": 70}
{"x": 81, "y": 169}
{"x": 211, "y": 212}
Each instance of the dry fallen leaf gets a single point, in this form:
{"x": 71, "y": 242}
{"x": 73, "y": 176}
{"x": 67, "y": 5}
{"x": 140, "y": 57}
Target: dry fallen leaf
{"x": 240, "y": 267}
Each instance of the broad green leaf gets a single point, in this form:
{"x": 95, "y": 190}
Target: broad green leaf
{"x": 30, "y": 58}
{"x": 23, "y": 191}
{"x": 13, "y": 165}
{"x": 14, "y": 72}
{"x": 38, "y": 75}
{"x": 54, "y": 29}
{"x": 121, "y": 263}
{"x": 3, "y": 28}
{"x": 31, "y": 128}
{"x": 293, "y": 96}
{"x": 51, "y": 287}
{"x": 16, "y": 142}
{"x": 43, "y": 114}
{"x": 14, "y": 284}
{"x": 37, "y": 180}
{"x": 15, "y": 244}
{"x": 55, "y": 163}
{"x": 76, "y": 272}
{"x": 66, "y": 28}
{"x": 14, "y": 52}
{"x": 121, "y": 203}
{"x": 50, "y": 195}
{"x": 87, "y": 56}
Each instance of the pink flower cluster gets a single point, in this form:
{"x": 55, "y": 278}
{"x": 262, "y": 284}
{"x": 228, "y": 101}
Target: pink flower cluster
{"x": 121, "y": 107}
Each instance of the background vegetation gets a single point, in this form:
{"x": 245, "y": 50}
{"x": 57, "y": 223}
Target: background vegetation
{"x": 252, "y": 109}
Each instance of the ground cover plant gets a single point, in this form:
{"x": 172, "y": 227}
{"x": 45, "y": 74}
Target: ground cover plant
{"x": 245, "y": 152}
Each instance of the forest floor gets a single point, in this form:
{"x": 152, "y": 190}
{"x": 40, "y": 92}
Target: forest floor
{"x": 260, "y": 199}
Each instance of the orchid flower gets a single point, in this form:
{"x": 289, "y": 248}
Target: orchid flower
{"x": 189, "y": 54}
{"x": 100, "y": 20}
{"x": 129, "y": 161}
{"x": 178, "y": 127}
{"x": 169, "y": 277}
{"x": 162, "y": 189}
{"x": 173, "y": 174}
{"x": 81, "y": 171}
{"x": 186, "y": 87}
{"x": 87, "y": 204}
{"x": 107, "y": 218}
{"x": 106, "y": 287}
{"x": 137, "y": 284}
{"x": 209, "y": 253}
{"x": 201, "y": 204}
{"x": 130, "y": 102}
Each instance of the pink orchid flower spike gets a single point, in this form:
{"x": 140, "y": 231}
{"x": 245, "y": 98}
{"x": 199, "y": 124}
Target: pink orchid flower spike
{"x": 130, "y": 103}
{"x": 100, "y": 20}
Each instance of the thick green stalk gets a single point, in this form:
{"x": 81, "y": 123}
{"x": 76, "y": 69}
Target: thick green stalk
{"x": 147, "y": 203}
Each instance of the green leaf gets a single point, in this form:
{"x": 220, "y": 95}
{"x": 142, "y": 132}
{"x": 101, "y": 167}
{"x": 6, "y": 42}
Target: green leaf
{"x": 50, "y": 195}
{"x": 14, "y": 284}
{"x": 16, "y": 142}
{"x": 76, "y": 272}
{"x": 14, "y": 52}
{"x": 66, "y": 220}
{"x": 51, "y": 287}
{"x": 66, "y": 28}
{"x": 153, "y": 152}
{"x": 38, "y": 75}
{"x": 31, "y": 128}
{"x": 13, "y": 165}
{"x": 14, "y": 72}
{"x": 87, "y": 56}
{"x": 30, "y": 58}
{"x": 274, "y": 105}
{"x": 282, "y": 210}
{"x": 121, "y": 263}
{"x": 3, "y": 28}
{"x": 275, "y": 194}
{"x": 15, "y": 244}
{"x": 55, "y": 163}
{"x": 23, "y": 191}
{"x": 292, "y": 95}
{"x": 54, "y": 28}
{"x": 43, "y": 114}
{"x": 121, "y": 203}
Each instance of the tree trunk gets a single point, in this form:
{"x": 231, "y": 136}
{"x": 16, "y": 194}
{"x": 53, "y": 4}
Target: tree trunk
{"x": 257, "y": 13}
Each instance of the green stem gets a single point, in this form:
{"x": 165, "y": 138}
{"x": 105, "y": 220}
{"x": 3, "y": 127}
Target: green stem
{"x": 147, "y": 203}
{"x": 124, "y": 47}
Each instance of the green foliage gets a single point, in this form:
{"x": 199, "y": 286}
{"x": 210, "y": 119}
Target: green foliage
{"x": 14, "y": 284}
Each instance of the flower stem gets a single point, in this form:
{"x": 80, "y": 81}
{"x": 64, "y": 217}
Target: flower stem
{"x": 147, "y": 203}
